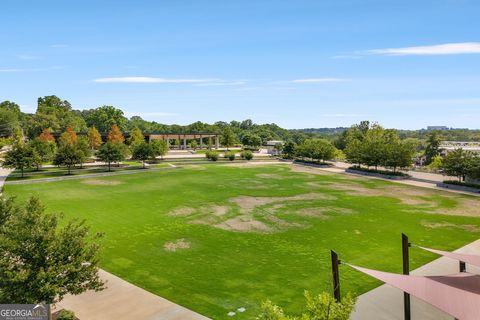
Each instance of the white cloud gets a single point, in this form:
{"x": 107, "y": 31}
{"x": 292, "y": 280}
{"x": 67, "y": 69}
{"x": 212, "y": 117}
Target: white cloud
{"x": 318, "y": 80}
{"x": 150, "y": 80}
{"x": 11, "y": 70}
{"x": 440, "y": 49}
{"x": 222, "y": 83}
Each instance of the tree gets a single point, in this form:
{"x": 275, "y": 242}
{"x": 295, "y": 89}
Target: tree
{"x": 194, "y": 144}
{"x": 278, "y": 147}
{"x": 43, "y": 260}
{"x": 143, "y": 151}
{"x": 319, "y": 307}
{"x": 160, "y": 147}
{"x": 8, "y": 122}
{"x": 44, "y": 149}
{"x": 84, "y": 147}
{"x": 228, "y": 138}
{"x": 68, "y": 156}
{"x": 436, "y": 164}
{"x": 397, "y": 153}
{"x": 69, "y": 137}
{"x": 458, "y": 163}
{"x": 115, "y": 135}
{"x": 104, "y": 117}
{"x": 21, "y": 157}
{"x": 251, "y": 140}
{"x": 316, "y": 149}
{"x": 46, "y": 136}
{"x": 94, "y": 138}
{"x": 289, "y": 150}
{"x": 136, "y": 137}
{"x": 374, "y": 146}
{"x": 111, "y": 152}
{"x": 57, "y": 114}
{"x": 433, "y": 147}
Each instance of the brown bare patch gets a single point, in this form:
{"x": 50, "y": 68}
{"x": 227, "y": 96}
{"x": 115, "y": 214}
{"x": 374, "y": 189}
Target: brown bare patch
{"x": 182, "y": 212}
{"x": 323, "y": 212}
{"x": 243, "y": 223}
{"x": 176, "y": 245}
{"x": 100, "y": 182}
{"x": 215, "y": 210}
{"x": 466, "y": 227}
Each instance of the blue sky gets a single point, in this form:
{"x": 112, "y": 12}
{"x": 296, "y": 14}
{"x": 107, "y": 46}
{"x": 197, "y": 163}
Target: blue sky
{"x": 405, "y": 64}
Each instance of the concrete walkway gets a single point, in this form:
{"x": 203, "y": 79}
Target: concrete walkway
{"x": 124, "y": 301}
{"x": 386, "y": 302}
{"x": 3, "y": 176}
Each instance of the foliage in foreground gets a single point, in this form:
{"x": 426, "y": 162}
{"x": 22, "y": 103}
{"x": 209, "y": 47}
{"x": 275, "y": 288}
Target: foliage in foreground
{"x": 318, "y": 307}
{"x": 40, "y": 261}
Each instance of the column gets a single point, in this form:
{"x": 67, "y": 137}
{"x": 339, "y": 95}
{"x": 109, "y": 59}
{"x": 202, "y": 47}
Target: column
{"x": 217, "y": 143}
{"x": 184, "y": 143}
{"x": 201, "y": 142}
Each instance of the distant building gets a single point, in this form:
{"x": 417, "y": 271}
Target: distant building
{"x": 447, "y": 146}
{"x": 437, "y": 128}
{"x": 270, "y": 146}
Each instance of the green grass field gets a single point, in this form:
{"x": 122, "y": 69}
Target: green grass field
{"x": 216, "y": 237}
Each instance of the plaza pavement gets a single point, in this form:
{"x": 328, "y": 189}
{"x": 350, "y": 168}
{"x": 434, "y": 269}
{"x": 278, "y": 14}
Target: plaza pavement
{"x": 3, "y": 176}
{"x": 386, "y": 302}
{"x": 122, "y": 300}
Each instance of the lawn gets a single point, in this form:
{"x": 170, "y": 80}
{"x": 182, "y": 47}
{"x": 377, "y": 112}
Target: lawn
{"x": 218, "y": 237}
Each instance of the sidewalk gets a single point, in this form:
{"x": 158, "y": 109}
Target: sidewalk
{"x": 3, "y": 176}
{"x": 386, "y": 302}
{"x": 124, "y": 301}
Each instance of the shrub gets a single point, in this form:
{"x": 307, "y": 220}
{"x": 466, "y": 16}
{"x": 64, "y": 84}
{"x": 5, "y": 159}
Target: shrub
{"x": 465, "y": 184}
{"x": 247, "y": 155}
{"x": 229, "y": 155}
{"x": 66, "y": 315}
{"x": 385, "y": 172}
{"x": 212, "y": 155}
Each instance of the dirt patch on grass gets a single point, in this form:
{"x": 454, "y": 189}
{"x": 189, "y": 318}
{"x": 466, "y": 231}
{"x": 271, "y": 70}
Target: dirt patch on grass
{"x": 244, "y": 223}
{"x": 436, "y": 225}
{"x": 176, "y": 245}
{"x": 323, "y": 212}
{"x": 182, "y": 212}
{"x": 100, "y": 182}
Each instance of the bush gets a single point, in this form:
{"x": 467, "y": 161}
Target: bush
{"x": 385, "y": 172}
{"x": 247, "y": 155}
{"x": 66, "y": 315}
{"x": 229, "y": 155}
{"x": 212, "y": 155}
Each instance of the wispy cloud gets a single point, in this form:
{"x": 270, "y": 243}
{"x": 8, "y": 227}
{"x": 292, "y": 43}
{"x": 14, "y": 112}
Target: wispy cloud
{"x": 151, "y": 80}
{"x": 12, "y": 70}
{"x": 440, "y": 49}
{"x": 58, "y": 45}
{"x": 222, "y": 83}
{"x": 32, "y": 69}
{"x": 318, "y": 80}
{"x": 346, "y": 56}
{"x": 27, "y": 57}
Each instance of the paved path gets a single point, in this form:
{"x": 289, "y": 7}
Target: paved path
{"x": 3, "y": 176}
{"x": 386, "y": 302}
{"x": 124, "y": 301}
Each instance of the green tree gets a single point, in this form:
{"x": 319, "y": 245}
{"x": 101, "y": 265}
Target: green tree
{"x": 111, "y": 152}
{"x": 458, "y": 163}
{"x": 316, "y": 149}
{"x": 8, "y": 122}
{"x": 251, "y": 140}
{"x": 436, "y": 163}
{"x": 136, "y": 137}
{"x": 433, "y": 147}
{"x": 44, "y": 149}
{"x": 43, "y": 260}
{"x": 160, "y": 147}
{"x": 57, "y": 114}
{"x": 21, "y": 157}
{"x": 318, "y": 307}
{"x": 84, "y": 147}
{"x": 354, "y": 152}
{"x": 68, "y": 156}
{"x": 289, "y": 149}
{"x": 143, "y": 151}
{"x": 228, "y": 137}
{"x": 104, "y": 117}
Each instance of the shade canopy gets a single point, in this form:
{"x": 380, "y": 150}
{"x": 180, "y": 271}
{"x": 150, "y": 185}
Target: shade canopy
{"x": 457, "y": 294}
{"x": 467, "y": 258}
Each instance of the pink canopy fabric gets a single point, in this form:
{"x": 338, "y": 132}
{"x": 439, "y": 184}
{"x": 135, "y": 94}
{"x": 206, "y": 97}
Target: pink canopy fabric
{"x": 467, "y": 258}
{"x": 457, "y": 294}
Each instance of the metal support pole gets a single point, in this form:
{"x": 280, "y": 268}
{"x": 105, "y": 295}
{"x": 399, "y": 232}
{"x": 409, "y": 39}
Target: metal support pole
{"x": 463, "y": 266}
{"x": 336, "y": 275}
{"x": 406, "y": 271}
